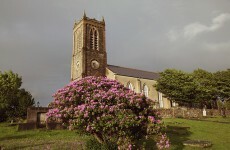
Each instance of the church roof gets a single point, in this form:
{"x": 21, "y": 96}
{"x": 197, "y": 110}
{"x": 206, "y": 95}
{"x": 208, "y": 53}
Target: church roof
{"x": 133, "y": 72}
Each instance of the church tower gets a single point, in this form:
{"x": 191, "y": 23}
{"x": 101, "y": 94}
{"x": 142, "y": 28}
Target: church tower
{"x": 89, "y": 56}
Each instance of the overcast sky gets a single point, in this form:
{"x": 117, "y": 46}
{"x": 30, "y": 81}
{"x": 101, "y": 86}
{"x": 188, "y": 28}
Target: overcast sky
{"x": 36, "y": 37}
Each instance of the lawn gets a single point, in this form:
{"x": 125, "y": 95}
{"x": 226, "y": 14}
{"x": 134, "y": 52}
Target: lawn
{"x": 10, "y": 138}
{"x": 215, "y": 130}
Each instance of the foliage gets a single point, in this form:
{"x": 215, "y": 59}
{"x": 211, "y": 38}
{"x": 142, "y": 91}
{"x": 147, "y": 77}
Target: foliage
{"x": 177, "y": 86}
{"x": 13, "y": 100}
{"x": 198, "y": 89}
{"x": 105, "y": 109}
{"x": 223, "y": 105}
{"x": 222, "y": 79}
{"x": 163, "y": 141}
{"x": 227, "y": 105}
{"x": 206, "y": 87}
{"x": 93, "y": 144}
{"x": 25, "y": 99}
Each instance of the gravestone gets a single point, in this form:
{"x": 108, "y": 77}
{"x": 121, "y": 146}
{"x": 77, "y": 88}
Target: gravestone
{"x": 204, "y": 113}
{"x": 197, "y": 143}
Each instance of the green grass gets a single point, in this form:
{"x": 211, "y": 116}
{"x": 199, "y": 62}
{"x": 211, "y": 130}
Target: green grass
{"x": 216, "y": 130}
{"x": 218, "y": 119}
{"x": 10, "y": 138}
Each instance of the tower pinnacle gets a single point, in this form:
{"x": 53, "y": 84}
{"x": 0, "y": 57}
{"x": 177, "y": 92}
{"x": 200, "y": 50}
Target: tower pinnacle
{"x": 103, "y": 19}
{"x": 84, "y": 15}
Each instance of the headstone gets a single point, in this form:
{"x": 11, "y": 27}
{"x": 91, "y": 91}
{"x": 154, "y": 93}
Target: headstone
{"x": 204, "y": 112}
{"x": 174, "y": 104}
{"x": 197, "y": 143}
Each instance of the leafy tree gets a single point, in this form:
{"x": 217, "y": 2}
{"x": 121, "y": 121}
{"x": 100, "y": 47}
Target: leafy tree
{"x": 198, "y": 89}
{"x": 206, "y": 88}
{"x": 222, "y": 79}
{"x": 177, "y": 86}
{"x": 107, "y": 110}
{"x": 13, "y": 100}
{"x": 25, "y": 100}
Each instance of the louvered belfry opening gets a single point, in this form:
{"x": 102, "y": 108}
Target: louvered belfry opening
{"x": 94, "y": 37}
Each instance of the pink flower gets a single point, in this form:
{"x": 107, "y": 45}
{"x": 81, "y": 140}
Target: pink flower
{"x": 158, "y": 121}
{"x": 86, "y": 114}
{"x": 130, "y": 147}
{"x": 151, "y": 118}
{"x": 88, "y": 128}
{"x": 101, "y": 104}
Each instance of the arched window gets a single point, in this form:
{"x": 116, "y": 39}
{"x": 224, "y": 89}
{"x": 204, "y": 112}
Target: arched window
{"x": 146, "y": 90}
{"x": 91, "y": 39}
{"x": 130, "y": 86}
{"x": 95, "y": 40}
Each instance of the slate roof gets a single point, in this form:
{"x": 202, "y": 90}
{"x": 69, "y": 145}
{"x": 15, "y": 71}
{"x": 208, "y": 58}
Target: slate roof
{"x": 133, "y": 72}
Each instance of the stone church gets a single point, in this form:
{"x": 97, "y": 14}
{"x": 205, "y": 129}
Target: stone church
{"x": 89, "y": 58}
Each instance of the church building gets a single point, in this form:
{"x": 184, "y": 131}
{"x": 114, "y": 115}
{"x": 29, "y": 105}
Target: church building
{"x": 89, "y": 58}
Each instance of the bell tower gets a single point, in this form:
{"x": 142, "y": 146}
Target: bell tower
{"x": 89, "y": 56}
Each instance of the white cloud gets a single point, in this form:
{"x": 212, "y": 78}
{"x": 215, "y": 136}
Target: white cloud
{"x": 219, "y": 21}
{"x": 192, "y": 30}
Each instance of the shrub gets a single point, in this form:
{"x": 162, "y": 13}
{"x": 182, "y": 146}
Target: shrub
{"x": 93, "y": 144}
{"x": 105, "y": 109}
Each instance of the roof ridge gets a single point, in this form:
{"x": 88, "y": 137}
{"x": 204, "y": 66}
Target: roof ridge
{"x": 132, "y": 68}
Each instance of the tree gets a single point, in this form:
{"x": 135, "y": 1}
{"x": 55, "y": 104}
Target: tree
{"x": 13, "y": 100}
{"x": 107, "y": 110}
{"x": 25, "y": 100}
{"x": 222, "y": 79}
{"x": 206, "y": 88}
{"x": 198, "y": 89}
{"x": 177, "y": 86}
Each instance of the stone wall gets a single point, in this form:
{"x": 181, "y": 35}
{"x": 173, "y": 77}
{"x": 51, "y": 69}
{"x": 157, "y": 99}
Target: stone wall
{"x": 54, "y": 126}
{"x": 27, "y": 126}
{"x": 36, "y": 118}
{"x": 32, "y": 113}
{"x": 190, "y": 113}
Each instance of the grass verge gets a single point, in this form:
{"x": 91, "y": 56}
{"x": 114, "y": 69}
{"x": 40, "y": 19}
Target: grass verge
{"x": 10, "y": 138}
{"x": 215, "y": 130}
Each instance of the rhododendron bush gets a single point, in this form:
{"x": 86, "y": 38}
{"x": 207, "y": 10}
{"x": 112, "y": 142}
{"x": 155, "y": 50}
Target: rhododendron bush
{"x": 106, "y": 109}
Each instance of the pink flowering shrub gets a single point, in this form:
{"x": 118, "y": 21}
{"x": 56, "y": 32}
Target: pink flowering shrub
{"x": 163, "y": 141}
{"x": 106, "y": 109}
